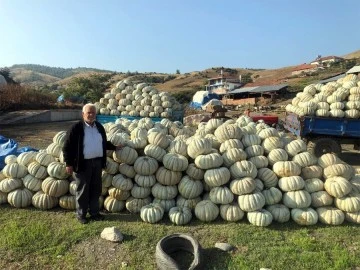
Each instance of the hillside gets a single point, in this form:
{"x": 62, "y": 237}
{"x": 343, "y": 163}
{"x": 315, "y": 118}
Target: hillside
{"x": 29, "y": 77}
{"x": 352, "y": 55}
{"x": 39, "y": 75}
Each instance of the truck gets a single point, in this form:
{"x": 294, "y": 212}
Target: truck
{"x": 324, "y": 134}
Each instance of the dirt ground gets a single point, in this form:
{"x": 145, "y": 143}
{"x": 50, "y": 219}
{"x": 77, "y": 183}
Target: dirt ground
{"x": 36, "y": 135}
{"x": 40, "y": 135}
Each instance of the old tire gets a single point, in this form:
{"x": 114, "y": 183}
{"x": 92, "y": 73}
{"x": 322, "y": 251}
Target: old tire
{"x": 322, "y": 146}
{"x": 175, "y": 242}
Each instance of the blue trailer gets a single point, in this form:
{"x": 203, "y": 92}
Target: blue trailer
{"x": 324, "y": 134}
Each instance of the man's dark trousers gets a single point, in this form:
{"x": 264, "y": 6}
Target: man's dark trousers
{"x": 89, "y": 187}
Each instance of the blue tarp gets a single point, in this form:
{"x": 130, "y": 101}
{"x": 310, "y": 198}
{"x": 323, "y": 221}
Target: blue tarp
{"x": 195, "y": 105}
{"x": 210, "y": 97}
{"x": 60, "y": 99}
{"x": 10, "y": 147}
{"x": 205, "y": 99}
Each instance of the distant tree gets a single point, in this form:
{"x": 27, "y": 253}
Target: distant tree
{"x": 349, "y": 63}
{"x": 169, "y": 78}
{"x": 90, "y": 89}
{"x": 5, "y": 72}
{"x": 177, "y": 71}
{"x": 246, "y": 78}
{"x": 185, "y": 97}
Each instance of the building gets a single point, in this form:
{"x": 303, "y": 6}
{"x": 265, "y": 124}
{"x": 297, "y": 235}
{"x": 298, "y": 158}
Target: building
{"x": 321, "y": 61}
{"x": 251, "y": 95}
{"x": 222, "y": 84}
{"x": 304, "y": 69}
{"x": 354, "y": 70}
{"x": 259, "y": 90}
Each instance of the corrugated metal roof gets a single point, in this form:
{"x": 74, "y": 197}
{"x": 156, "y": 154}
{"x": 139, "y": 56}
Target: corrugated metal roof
{"x": 355, "y": 69}
{"x": 269, "y": 88}
{"x": 243, "y": 90}
{"x": 332, "y": 79}
{"x": 259, "y": 89}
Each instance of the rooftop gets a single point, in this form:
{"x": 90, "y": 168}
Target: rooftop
{"x": 355, "y": 69}
{"x": 327, "y": 58}
{"x": 259, "y": 89}
{"x": 223, "y": 77}
{"x": 303, "y": 67}
{"x": 332, "y": 79}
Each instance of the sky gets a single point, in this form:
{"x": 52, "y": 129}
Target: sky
{"x": 167, "y": 35}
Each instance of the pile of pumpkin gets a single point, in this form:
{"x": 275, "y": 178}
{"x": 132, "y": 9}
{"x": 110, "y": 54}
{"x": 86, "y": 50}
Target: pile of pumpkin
{"x": 339, "y": 99}
{"x": 131, "y": 99}
{"x": 232, "y": 169}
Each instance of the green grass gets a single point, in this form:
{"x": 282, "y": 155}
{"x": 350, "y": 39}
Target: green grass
{"x": 31, "y": 239}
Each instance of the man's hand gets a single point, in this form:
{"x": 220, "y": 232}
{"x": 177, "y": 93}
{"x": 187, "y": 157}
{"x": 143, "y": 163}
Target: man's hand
{"x": 69, "y": 169}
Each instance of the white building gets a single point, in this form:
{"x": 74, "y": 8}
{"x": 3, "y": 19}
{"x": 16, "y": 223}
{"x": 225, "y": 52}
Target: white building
{"x": 222, "y": 84}
{"x": 326, "y": 60}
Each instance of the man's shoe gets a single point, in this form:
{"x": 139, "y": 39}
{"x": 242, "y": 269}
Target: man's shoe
{"x": 97, "y": 217}
{"x": 82, "y": 220}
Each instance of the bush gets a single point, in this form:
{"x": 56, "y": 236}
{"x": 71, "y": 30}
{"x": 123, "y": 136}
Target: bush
{"x": 15, "y": 97}
{"x": 184, "y": 97}
{"x": 91, "y": 88}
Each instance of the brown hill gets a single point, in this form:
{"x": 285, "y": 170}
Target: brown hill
{"x": 352, "y": 55}
{"x": 29, "y": 77}
{"x": 195, "y": 80}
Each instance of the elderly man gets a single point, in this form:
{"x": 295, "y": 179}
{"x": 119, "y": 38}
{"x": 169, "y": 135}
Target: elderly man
{"x": 85, "y": 157}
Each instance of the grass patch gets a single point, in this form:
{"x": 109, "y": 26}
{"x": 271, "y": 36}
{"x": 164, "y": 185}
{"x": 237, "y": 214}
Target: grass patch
{"x": 55, "y": 240}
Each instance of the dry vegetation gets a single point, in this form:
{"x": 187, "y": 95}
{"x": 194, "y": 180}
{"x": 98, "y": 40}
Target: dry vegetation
{"x": 352, "y": 55}
{"x": 32, "y": 78}
{"x": 16, "y": 97}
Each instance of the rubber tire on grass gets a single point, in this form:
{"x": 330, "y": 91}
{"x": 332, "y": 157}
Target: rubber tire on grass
{"x": 176, "y": 242}
{"x": 321, "y": 146}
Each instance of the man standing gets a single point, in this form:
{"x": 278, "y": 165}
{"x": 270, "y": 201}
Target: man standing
{"x": 85, "y": 156}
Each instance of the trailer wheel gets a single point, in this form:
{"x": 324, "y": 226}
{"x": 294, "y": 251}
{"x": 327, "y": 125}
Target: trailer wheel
{"x": 321, "y": 146}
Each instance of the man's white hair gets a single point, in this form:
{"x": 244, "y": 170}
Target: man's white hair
{"x": 87, "y": 106}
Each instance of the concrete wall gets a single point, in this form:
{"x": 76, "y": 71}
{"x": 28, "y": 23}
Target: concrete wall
{"x": 230, "y": 101}
{"x": 65, "y": 115}
{"x": 298, "y": 72}
{"x": 46, "y": 116}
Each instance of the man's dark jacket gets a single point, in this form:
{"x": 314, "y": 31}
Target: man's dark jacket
{"x": 73, "y": 149}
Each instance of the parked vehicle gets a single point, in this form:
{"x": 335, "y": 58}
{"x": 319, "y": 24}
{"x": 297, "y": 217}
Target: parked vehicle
{"x": 324, "y": 134}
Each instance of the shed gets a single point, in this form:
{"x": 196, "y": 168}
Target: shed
{"x": 354, "y": 70}
{"x": 257, "y": 91}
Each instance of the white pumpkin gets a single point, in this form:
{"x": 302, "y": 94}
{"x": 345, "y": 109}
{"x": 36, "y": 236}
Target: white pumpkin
{"x": 206, "y": 211}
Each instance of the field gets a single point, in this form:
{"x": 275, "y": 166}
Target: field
{"x": 34, "y": 239}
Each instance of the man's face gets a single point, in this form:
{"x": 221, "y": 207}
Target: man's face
{"x": 89, "y": 115}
